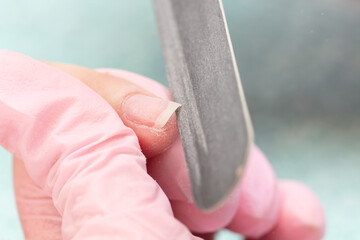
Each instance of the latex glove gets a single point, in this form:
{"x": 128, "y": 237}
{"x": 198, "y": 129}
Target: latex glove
{"x": 78, "y": 151}
{"x": 41, "y": 219}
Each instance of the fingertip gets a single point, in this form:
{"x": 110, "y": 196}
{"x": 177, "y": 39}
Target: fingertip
{"x": 151, "y": 117}
{"x": 301, "y": 214}
{"x": 156, "y": 141}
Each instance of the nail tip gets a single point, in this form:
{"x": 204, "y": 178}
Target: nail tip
{"x": 165, "y": 116}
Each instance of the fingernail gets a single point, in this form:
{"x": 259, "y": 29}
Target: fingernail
{"x": 148, "y": 111}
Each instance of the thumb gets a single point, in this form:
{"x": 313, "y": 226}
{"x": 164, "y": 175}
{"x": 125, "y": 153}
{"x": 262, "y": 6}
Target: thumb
{"x": 78, "y": 151}
{"x": 152, "y": 118}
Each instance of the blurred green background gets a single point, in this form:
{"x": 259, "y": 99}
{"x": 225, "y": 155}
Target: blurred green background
{"x": 299, "y": 62}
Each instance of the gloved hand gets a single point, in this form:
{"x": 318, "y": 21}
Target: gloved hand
{"x": 80, "y": 170}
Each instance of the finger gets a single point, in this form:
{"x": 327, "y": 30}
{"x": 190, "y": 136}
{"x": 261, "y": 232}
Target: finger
{"x": 301, "y": 214}
{"x": 151, "y": 117}
{"x": 258, "y": 187}
{"x": 258, "y": 209}
{"x": 39, "y": 218}
{"x": 169, "y": 167}
{"x": 78, "y": 151}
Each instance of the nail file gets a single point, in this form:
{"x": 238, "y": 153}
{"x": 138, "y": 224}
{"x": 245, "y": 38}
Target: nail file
{"x": 214, "y": 122}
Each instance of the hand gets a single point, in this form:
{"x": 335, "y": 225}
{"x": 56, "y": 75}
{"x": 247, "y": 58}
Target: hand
{"x": 83, "y": 175}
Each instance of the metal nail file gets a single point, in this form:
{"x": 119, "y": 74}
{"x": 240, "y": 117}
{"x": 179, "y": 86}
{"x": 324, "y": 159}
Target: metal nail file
{"x": 214, "y": 122}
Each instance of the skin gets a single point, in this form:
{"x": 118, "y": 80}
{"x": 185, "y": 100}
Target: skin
{"x": 166, "y": 164}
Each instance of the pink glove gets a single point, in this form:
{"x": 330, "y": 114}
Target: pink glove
{"x": 78, "y": 151}
{"x": 87, "y": 168}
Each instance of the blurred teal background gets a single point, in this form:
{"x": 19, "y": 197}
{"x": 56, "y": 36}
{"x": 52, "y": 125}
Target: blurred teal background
{"x": 299, "y": 62}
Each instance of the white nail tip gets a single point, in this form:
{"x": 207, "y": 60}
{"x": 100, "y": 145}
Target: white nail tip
{"x": 164, "y": 117}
